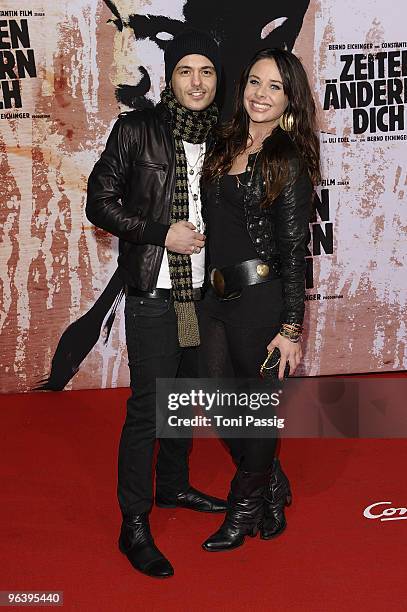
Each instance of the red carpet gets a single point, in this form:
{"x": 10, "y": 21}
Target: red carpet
{"x": 60, "y": 521}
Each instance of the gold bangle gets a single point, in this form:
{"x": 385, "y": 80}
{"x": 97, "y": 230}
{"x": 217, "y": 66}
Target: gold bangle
{"x": 292, "y": 326}
{"x": 294, "y": 340}
{"x": 294, "y": 337}
{"x": 291, "y": 330}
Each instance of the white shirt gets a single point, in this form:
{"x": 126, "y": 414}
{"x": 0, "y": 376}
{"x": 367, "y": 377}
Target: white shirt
{"x": 195, "y": 155}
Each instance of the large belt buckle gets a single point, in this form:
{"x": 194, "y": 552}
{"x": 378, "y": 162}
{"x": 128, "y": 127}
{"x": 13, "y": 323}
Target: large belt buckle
{"x": 262, "y": 270}
{"x": 219, "y": 285}
{"x": 218, "y": 282}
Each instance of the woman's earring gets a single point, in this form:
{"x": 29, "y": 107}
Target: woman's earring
{"x": 286, "y": 122}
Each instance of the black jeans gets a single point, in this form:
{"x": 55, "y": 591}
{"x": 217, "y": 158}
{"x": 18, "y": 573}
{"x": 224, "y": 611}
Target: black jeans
{"x": 237, "y": 350}
{"x": 153, "y": 352}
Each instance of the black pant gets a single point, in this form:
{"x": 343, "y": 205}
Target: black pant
{"x": 153, "y": 352}
{"x": 232, "y": 350}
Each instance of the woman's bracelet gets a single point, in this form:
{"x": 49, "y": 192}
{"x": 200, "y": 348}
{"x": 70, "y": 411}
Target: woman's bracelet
{"x": 292, "y": 331}
{"x": 292, "y": 326}
{"x": 291, "y": 338}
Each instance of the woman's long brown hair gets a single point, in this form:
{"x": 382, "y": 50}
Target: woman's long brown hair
{"x": 231, "y": 138}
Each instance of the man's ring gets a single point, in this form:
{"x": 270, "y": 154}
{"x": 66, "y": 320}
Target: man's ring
{"x": 197, "y": 250}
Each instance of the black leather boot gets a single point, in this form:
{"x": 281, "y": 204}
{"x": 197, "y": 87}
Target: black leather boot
{"x": 193, "y": 500}
{"x": 276, "y": 497}
{"x": 244, "y": 514}
{"x": 136, "y": 542}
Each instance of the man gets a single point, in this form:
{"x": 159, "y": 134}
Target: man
{"x": 145, "y": 190}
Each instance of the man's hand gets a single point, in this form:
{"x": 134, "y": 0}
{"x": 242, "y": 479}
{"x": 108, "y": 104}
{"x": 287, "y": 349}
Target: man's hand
{"x": 182, "y": 238}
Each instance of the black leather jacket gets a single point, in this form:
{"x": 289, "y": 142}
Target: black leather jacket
{"x": 130, "y": 191}
{"x": 282, "y": 229}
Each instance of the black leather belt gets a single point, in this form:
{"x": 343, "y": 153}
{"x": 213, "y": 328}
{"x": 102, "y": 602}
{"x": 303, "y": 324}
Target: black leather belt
{"x": 163, "y": 294}
{"x": 228, "y": 282}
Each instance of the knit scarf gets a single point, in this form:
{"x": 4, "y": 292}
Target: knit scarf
{"x": 194, "y": 127}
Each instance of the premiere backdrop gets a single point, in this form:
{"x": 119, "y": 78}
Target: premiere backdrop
{"x": 68, "y": 68}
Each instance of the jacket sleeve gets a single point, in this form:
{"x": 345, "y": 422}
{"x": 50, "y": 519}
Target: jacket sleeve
{"x": 106, "y": 189}
{"x": 292, "y": 230}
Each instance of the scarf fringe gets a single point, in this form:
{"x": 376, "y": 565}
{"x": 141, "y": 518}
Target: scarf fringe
{"x": 188, "y": 329}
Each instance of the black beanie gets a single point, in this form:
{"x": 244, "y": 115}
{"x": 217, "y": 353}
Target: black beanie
{"x": 187, "y": 43}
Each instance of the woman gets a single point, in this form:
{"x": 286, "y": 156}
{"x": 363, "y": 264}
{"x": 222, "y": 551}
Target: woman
{"x": 258, "y": 181}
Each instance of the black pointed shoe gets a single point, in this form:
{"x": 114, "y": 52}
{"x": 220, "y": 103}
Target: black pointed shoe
{"x": 276, "y": 497}
{"x": 244, "y": 514}
{"x": 193, "y": 500}
{"x": 136, "y": 542}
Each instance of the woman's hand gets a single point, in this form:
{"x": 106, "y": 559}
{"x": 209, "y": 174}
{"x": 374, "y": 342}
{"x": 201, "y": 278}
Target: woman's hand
{"x": 290, "y": 351}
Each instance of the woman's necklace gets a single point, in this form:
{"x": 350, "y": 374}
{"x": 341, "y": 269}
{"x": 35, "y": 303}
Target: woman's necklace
{"x": 249, "y": 182}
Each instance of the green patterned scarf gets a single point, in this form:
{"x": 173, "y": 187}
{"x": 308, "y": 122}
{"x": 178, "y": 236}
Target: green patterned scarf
{"x": 194, "y": 127}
